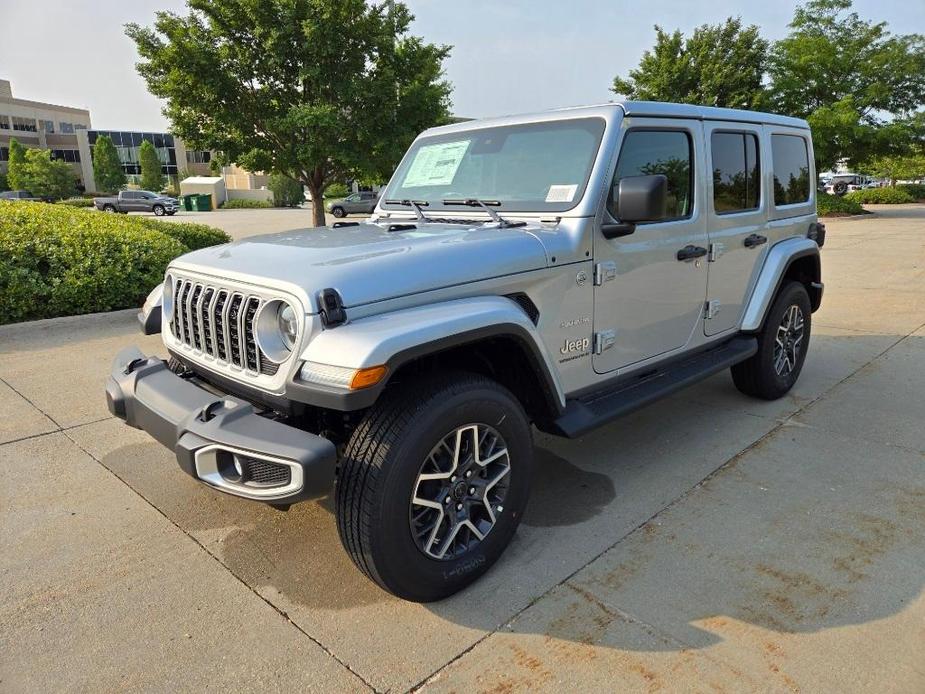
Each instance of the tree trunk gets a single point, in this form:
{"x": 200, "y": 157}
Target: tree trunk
{"x": 316, "y": 187}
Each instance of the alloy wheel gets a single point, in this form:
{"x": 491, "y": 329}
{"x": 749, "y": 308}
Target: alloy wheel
{"x": 460, "y": 491}
{"x": 789, "y": 341}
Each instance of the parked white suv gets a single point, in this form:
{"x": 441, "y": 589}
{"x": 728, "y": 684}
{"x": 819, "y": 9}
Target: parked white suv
{"x": 556, "y": 270}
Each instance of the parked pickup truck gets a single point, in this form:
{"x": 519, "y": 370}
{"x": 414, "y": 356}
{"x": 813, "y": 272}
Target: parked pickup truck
{"x": 555, "y": 270}
{"x": 138, "y": 201}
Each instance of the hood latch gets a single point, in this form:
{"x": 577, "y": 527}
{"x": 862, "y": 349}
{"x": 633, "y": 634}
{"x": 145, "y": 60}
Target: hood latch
{"x": 332, "y": 308}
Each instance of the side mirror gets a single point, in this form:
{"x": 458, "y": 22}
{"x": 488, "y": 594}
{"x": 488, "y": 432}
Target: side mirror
{"x": 639, "y": 199}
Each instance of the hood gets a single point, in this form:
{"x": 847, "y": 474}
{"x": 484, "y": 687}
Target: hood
{"x": 367, "y": 263}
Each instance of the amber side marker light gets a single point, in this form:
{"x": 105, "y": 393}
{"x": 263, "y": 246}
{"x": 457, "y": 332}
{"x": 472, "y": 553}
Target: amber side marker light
{"x": 370, "y": 376}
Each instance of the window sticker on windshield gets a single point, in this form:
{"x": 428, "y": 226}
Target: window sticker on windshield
{"x": 436, "y": 165}
{"x": 561, "y": 193}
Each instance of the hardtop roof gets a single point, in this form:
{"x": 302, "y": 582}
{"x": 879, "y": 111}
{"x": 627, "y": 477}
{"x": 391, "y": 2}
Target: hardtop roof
{"x": 651, "y": 109}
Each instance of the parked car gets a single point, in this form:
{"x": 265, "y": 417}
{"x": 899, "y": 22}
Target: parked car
{"x": 22, "y": 195}
{"x": 363, "y": 202}
{"x": 138, "y": 201}
{"x": 840, "y": 184}
{"x": 557, "y": 270}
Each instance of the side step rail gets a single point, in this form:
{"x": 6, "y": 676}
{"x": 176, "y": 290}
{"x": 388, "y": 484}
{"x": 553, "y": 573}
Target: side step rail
{"x": 585, "y": 413}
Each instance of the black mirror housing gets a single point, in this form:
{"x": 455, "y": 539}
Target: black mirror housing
{"x": 642, "y": 198}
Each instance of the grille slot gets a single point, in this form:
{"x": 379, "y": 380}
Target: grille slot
{"x": 220, "y": 323}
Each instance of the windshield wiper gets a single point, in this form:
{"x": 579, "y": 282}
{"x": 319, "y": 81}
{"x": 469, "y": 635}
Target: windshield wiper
{"x": 487, "y": 205}
{"x": 416, "y": 205}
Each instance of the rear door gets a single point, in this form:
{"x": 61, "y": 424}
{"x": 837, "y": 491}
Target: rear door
{"x": 647, "y": 302}
{"x": 737, "y": 213}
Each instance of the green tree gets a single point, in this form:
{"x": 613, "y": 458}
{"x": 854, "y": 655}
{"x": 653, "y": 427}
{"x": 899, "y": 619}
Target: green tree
{"x": 318, "y": 90}
{"x": 45, "y": 177}
{"x": 107, "y": 169}
{"x": 287, "y": 192}
{"x": 15, "y": 165}
{"x": 852, "y": 79}
{"x": 152, "y": 177}
{"x": 910, "y": 167}
{"x": 719, "y": 65}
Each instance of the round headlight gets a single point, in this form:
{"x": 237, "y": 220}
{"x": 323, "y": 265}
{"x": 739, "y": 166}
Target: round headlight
{"x": 288, "y": 325}
{"x": 277, "y": 330}
{"x": 167, "y": 300}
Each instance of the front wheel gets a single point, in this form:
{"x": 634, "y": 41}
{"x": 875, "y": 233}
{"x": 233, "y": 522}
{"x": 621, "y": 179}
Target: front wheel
{"x": 782, "y": 345}
{"x": 338, "y": 212}
{"x": 158, "y": 210}
{"x": 433, "y": 484}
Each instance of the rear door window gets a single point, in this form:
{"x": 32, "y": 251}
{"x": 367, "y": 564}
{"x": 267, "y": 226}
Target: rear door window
{"x": 791, "y": 169}
{"x": 736, "y": 173}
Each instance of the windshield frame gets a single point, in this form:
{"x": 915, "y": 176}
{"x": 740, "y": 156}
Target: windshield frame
{"x": 599, "y": 122}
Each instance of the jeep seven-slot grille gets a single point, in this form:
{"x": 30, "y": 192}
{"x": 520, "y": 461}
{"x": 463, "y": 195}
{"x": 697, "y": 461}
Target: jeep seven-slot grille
{"x": 220, "y": 323}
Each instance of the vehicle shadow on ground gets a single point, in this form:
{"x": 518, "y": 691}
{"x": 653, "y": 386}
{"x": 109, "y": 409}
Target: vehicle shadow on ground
{"x": 812, "y": 556}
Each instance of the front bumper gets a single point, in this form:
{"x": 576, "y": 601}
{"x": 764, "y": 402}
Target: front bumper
{"x": 219, "y": 439}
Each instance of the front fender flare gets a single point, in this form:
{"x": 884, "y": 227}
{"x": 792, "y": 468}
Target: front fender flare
{"x": 780, "y": 257}
{"x": 398, "y": 337}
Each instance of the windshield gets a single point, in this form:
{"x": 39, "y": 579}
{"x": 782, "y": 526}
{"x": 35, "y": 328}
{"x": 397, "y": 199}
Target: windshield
{"x": 536, "y": 167}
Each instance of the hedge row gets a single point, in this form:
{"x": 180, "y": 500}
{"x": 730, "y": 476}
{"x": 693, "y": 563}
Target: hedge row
{"x": 57, "y": 260}
{"x": 837, "y": 206}
{"x": 77, "y": 202}
{"x": 244, "y": 204}
{"x": 880, "y": 196}
{"x": 916, "y": 190}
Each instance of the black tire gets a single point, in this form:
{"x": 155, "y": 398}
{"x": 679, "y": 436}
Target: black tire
{"x": 840, "y": 188}
{"x": 379, "y": 475}
{"x": 109, "y": 208}
{"x": 338, "y": 212}
{"x": 158, "y": 210}
{"x": 171, "y": 214}
{"x": 759, "y": 376}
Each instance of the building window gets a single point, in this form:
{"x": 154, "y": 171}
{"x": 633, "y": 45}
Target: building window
{"x": 791, "y": 169}
{"x": 71, "y": 156}
{"x": 47, "y": 126}
{"x": 736, "y": 176}
{"x": 26, "y": 125}
{"x": 4, "y": 153}
{"x": 198, "y": 157}
{"x": 67, "y": 128}
{"x": 4, "y": 122}
{"x": 78, "y": 126}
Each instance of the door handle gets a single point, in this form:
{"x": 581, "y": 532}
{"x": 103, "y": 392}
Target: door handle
{"x": 755, "y": 240}
{"x": 691, "y": 252}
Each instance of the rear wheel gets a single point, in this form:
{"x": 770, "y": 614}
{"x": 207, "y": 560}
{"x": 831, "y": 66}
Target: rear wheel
{"x": 109, "y": 208}
{"x": 782, "y": 345}
{"x": 433, "y": 484}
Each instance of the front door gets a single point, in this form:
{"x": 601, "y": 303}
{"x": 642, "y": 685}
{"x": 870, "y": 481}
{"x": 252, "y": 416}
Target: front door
{"x": 647, "y": 302}
{"x": 737, "y": 209}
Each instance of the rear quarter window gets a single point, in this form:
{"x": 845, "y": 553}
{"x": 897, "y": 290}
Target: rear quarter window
{"x": 791, "y": 169}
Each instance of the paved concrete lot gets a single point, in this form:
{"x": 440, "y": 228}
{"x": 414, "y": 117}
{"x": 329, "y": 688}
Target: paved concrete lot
{"x": 709, "y": 542}
{"x": 241, "y": 223}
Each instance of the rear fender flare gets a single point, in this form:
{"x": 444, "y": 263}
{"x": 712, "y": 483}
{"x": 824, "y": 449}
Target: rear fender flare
{"x": 780, "y": 257}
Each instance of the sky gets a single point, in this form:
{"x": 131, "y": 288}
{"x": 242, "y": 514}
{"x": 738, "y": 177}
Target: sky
{"x": 508, "y": 56}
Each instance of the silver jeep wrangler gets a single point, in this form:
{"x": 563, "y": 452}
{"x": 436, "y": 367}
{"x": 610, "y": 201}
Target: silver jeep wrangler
{"x": 556, "y": 270}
